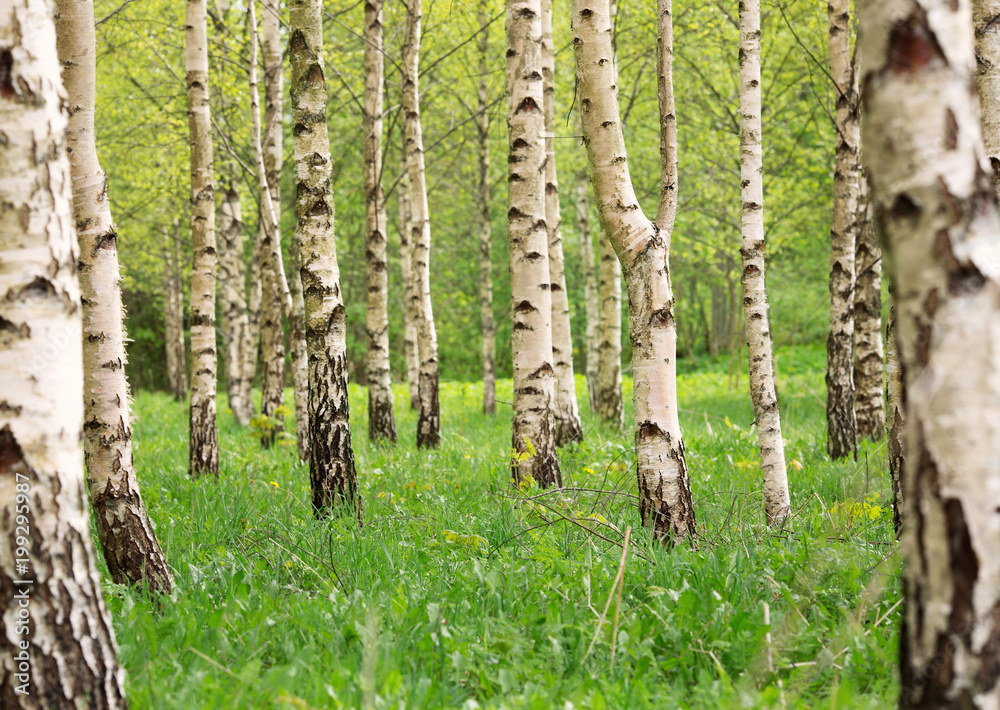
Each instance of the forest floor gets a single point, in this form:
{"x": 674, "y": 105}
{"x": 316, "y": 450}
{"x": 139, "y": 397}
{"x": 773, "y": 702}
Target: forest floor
{"x": 461, "y": 591}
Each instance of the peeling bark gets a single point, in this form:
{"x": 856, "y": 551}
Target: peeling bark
{"x": 869, "y": 355}
{"x": 332, "y": 472}
{"x": 486, "y": 325}
{"x": 757, "y": 326}
{"x": 429, "y": 420}
{"x": 127, "y": 537}
{"x": 68, "y": 638}
{"x": 840, "y": 417}
{"x": 643, "y": 248}
{"x": 931, "y": 179}
{"x": 565, "y": 411}
{"x": 203, "y": 447}
{"x": 381, "y": 420}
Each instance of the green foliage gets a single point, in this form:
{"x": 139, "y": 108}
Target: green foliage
{"x": 461, "y": 591}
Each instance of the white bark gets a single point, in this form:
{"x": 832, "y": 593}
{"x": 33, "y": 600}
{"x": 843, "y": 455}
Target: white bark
{"x": 610, "y": 407}
{"x": 233, "y": 307}
{"x": 173, "y": 315}
{"x": 757, "y": 326}
{"x": 69, "y": 639}
{"x": 486, "y": 324}
{"x": 203, "y": 449}
{"x": 381, "y": 420}
{"x": 429, "y": 421}
{"x": 895, "y": 421}
{"x": 589, "y": 283}
{"x": 931, "y": 179}
{"x": 410, "y": 350}
{"x": 331, "y": 462}
{"x": 643, "y": 250}
{"x": 565, "y": 411}
{"x": 869, "y": 355}
{"x": 127, "y": 537}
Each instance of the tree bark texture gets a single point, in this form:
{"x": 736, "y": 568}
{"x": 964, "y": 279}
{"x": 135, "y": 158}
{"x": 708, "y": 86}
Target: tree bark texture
{"x": 590, "y": 304}
{"x": 486, "y": 325}
{"x": 300, "y": 357}
{"x": 203, "y": 447}
{"x": 127, "y": 537}
{"x": 381, "y": 420}
{"x": 565, "y": 411}
{"x": 869, "y": 354}
{"x": 931, "y": 179}
{"x": 331, "y": 461}
{"x": 429, "y": 420}
{"x": 173, "y": 306}
{"x": 664, "y": 488}
{"x": 49, "y": 560}
{"x": 895, "y": 428}
{"x": 410, "y": 350}
{"x": 987, "y": 28}
{"x": 533, "y": 435}
{"x": 840, "y": 418}
{"x": 610, "y": 407}
{"x": 757, "y": 323}
{"x": 235, "y": 322}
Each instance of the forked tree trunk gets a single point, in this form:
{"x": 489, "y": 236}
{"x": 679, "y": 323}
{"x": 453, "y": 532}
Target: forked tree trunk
{"x": 610, "y": 407}
{"x": 644, "y": 248}
{"x": 984, "y": 18}
{"x": 589, "y": 283}
{"x": 173, "y": 290}
{"x": 127, "y": 537}
{"x": 931, "y": 180}
{"x": 869, "y": 355}
{"x": 235, "y": 323}
{"x": 429, "y": 420}
{"x": 840, "y": 418}
{"x": 486, "y": 325}
{"x": 58, "y": 646}
{"x": 533, "y": 435}
{"x": 381, "y": 421}
{"x": 332, "y": 474}
{"x": 268, "y": 160}
{"x": 203, "y": 447}
{"x": 756, "y": 320}
{"x": 410, "y": 350}
{"x": 565, "y": 411}
{"x": 895, "y": 424}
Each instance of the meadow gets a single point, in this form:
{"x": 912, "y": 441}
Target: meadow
{"x": 462, "y": 591}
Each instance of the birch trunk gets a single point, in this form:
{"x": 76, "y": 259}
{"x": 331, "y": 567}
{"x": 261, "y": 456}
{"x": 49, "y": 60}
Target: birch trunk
{"x": 429, "y": 420}
{"x": 589, "y": 283}
{"x": 300, "y": 358}
{"x": 174, "y": 316}
{"x": 127, "y": 537}
{"x": 869, "y": 355}
{"x": 840, "y": 418}
{"x": 984, "y": 18}
{"x": 609, "y": 334}
{"x": 755, "y": 307}
{"x": 486, "y": 325}
{"x": 643, "y": 248}
{"x": 410, "y": 349}
{"x": 203, "y": 448}
{"x": 533, "y": 435}
{"x": 331, "y": 460}
{"x": 565, "y": 411}
{"x": 931, "y": 180}
{"x": 381, "y": 421}
{"x": 895, "y": 421}
{"x": 268, "y": 160}
{"x": 66, "y": 650}
{"x": 235, "y": 322}
{"x": 251, "y": 351}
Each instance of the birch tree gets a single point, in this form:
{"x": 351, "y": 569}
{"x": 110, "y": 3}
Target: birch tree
{"x": 332, "y": 473}
{"x": 131, "y": 549}
{"x": 68, "y": 642}
{"x": 869, "y": 354}
{"x": 643, "y": 247}
{"x": 840, "y": 418}
{"x": 173, "y": 314}
{"x": 895, "y": 421}
{"x": 610, "y": 407}
{"x": 203, "y": 447}
{"x": 931, "y": 179}
{"x": 984, "y": 17}
{"x": 582, "y": 214}
{"x": 429, "y": 420}
{"x": 410, "y": 350}
{"x": 486, "y": 325}
{"x": 565, "y": 411}
{"x": 755, "y": 307}
{"x": 233, "y": 307}
{"x": 381, "y": 420}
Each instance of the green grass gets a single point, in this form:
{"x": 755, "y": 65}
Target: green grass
{"x": 458, "y": 593}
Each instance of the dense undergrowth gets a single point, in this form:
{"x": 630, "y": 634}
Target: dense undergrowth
{"x": 461, "y": 591}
